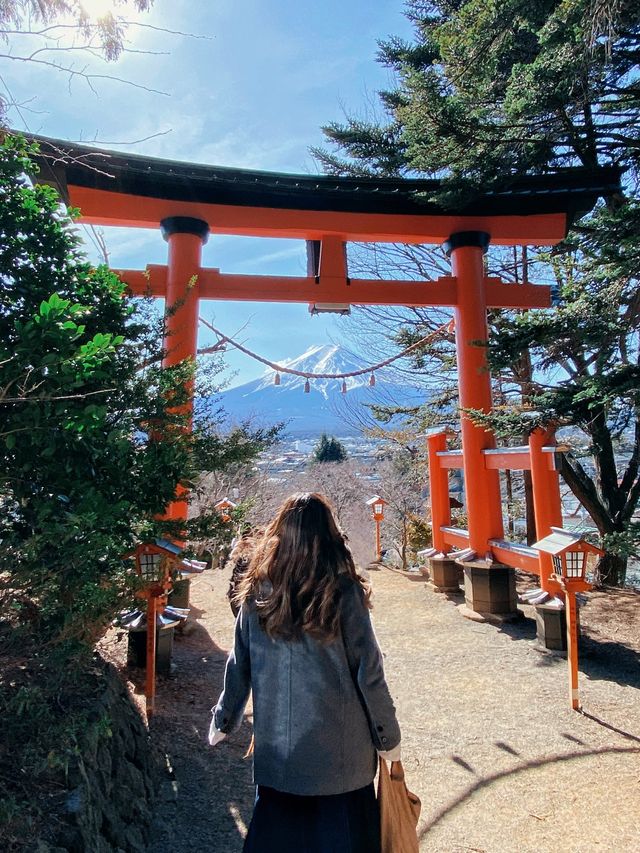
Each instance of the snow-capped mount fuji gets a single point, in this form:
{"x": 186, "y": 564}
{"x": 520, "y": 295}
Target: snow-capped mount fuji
{"x": 325, "y": 408}
{"x": 327, "y": 358}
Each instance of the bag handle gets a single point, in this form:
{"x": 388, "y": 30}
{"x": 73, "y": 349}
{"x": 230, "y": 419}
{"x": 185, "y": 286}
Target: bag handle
{"x": 396, "y": 771}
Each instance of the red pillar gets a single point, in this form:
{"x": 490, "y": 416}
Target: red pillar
{"x": 546, "y": 500}
{"x": 185, "y": 237}
{"x": 482, "y": 487}
{"x": 438, "y": 491}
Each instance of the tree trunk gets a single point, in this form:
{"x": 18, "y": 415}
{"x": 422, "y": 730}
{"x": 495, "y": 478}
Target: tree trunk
{"x": 612, "y": 570}
{"x": 509, "y": 488}
{"x": 404, "y": 544}
{"x": 532, "y": 535}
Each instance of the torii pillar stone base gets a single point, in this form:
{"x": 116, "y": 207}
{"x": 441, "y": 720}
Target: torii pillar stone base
{"x": 490, "y": 592}
{"x": 445, "y": 574}
{"x": 551, "y": 627}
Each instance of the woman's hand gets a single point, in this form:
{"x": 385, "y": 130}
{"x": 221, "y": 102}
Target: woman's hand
{"x": 215, "y": 735}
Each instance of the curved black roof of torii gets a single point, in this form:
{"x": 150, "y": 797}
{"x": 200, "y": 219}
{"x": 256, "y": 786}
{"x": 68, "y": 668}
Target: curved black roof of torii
{"x": 572, "y": 191}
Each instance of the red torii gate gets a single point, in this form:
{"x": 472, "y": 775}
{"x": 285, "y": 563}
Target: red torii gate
{"x": 189, "y": 201}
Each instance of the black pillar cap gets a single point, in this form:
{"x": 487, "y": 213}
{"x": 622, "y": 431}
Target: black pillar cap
{"x": 184, "y": 225}
{"x": 466, "y": 238}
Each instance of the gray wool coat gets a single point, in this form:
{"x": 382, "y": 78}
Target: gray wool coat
{"x": 320, "y": 711}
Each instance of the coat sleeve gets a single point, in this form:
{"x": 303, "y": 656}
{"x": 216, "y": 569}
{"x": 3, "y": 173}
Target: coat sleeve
{"x": 365, "y": 662}
{"x": 227, "y": 714}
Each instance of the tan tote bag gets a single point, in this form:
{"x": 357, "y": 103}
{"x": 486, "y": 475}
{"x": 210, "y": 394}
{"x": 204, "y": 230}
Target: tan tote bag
{"x": 399, "y": 811}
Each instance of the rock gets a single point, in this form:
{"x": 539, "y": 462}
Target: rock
{"x": 135, "y": 841}
{"x": 75, "y": 801}
{"x": 110, "y": 787}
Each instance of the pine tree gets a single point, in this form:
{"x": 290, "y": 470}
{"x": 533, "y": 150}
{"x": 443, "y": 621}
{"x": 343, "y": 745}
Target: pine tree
{"x": 329, "y": 449}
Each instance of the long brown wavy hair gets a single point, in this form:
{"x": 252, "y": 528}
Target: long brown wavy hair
{"x": 297, "y": 571}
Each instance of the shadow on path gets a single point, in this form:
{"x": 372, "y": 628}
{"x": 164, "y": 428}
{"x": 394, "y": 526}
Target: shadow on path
{"x": 206, "y": 794}
{"x": 604, "y": 660}
{"x": 485, "y": 781}
{"x": 598, "y": 659}
{"x": 605, "y": 725}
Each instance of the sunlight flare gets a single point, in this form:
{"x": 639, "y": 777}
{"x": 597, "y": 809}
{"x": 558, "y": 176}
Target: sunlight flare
{"x": 97, "y": 9}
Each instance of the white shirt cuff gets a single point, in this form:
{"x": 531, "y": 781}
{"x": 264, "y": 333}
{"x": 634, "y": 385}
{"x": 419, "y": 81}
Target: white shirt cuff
{"x": 394, "y": 754}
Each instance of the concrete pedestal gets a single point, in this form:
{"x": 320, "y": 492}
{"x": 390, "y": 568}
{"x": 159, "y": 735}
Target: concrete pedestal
{"x": 179, "y": 595}
{"x": 446, "y": 575}
{"x": 490, "y": 592}
{"x": 551, "y": 627}
{"x": 137, "y": 650}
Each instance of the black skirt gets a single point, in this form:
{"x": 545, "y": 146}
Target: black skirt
{"x": 340, "y": 823}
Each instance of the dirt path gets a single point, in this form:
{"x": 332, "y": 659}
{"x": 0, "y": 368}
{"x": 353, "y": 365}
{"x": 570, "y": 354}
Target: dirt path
{"x": 206, "y": 798}
{"x": 500, "y": 762}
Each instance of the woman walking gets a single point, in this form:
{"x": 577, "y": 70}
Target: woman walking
{"x": 305, "y": 646}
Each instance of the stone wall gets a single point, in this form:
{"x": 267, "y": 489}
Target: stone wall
{"x": 106, "y": 807}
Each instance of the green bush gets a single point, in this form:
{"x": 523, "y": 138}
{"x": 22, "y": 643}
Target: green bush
{"x": 89, "y": 454}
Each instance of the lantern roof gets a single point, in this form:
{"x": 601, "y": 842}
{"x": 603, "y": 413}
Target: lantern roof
{"x": 559, "y": 541}
{"x": 376, "y": 499}
{"x": 156, "y": 547}
{"x": 171, "y": 547}
{"x": 225, "y": 503}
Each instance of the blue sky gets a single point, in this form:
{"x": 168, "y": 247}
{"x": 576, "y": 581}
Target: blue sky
{"x": 252, "y": 91}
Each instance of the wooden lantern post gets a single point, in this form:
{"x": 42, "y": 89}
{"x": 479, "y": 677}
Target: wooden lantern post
{"x": 224, "y": 508}
{"x": 569, "y": 554}
{"x": 150, "y": 674}
{"x": 377, "y": 505}
{"x": 153, "y": 562}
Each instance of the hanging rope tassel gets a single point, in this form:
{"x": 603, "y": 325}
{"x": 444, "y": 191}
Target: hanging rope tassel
{"x": 372, "y": 380}
{"x": 344, "y": 387}
{"x": 307, "y": 387}
{"x": 276, "y": 379}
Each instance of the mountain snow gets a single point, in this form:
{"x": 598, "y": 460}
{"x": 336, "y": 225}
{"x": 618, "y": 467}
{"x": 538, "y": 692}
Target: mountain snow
{"x": 326, "y": 358}
{"x": 325, "y": 408}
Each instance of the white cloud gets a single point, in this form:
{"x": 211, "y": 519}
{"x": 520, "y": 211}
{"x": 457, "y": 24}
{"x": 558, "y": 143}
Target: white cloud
{"x": 253, "y": 95}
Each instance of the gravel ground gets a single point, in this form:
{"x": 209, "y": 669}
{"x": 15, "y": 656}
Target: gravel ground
{"x": 490, "y": 745}
{"x": 500, "y": 761}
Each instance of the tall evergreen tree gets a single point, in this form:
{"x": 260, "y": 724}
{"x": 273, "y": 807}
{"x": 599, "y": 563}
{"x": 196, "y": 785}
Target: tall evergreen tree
{"x": 329, "y": 449}
{"x": 489, "y": 91}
